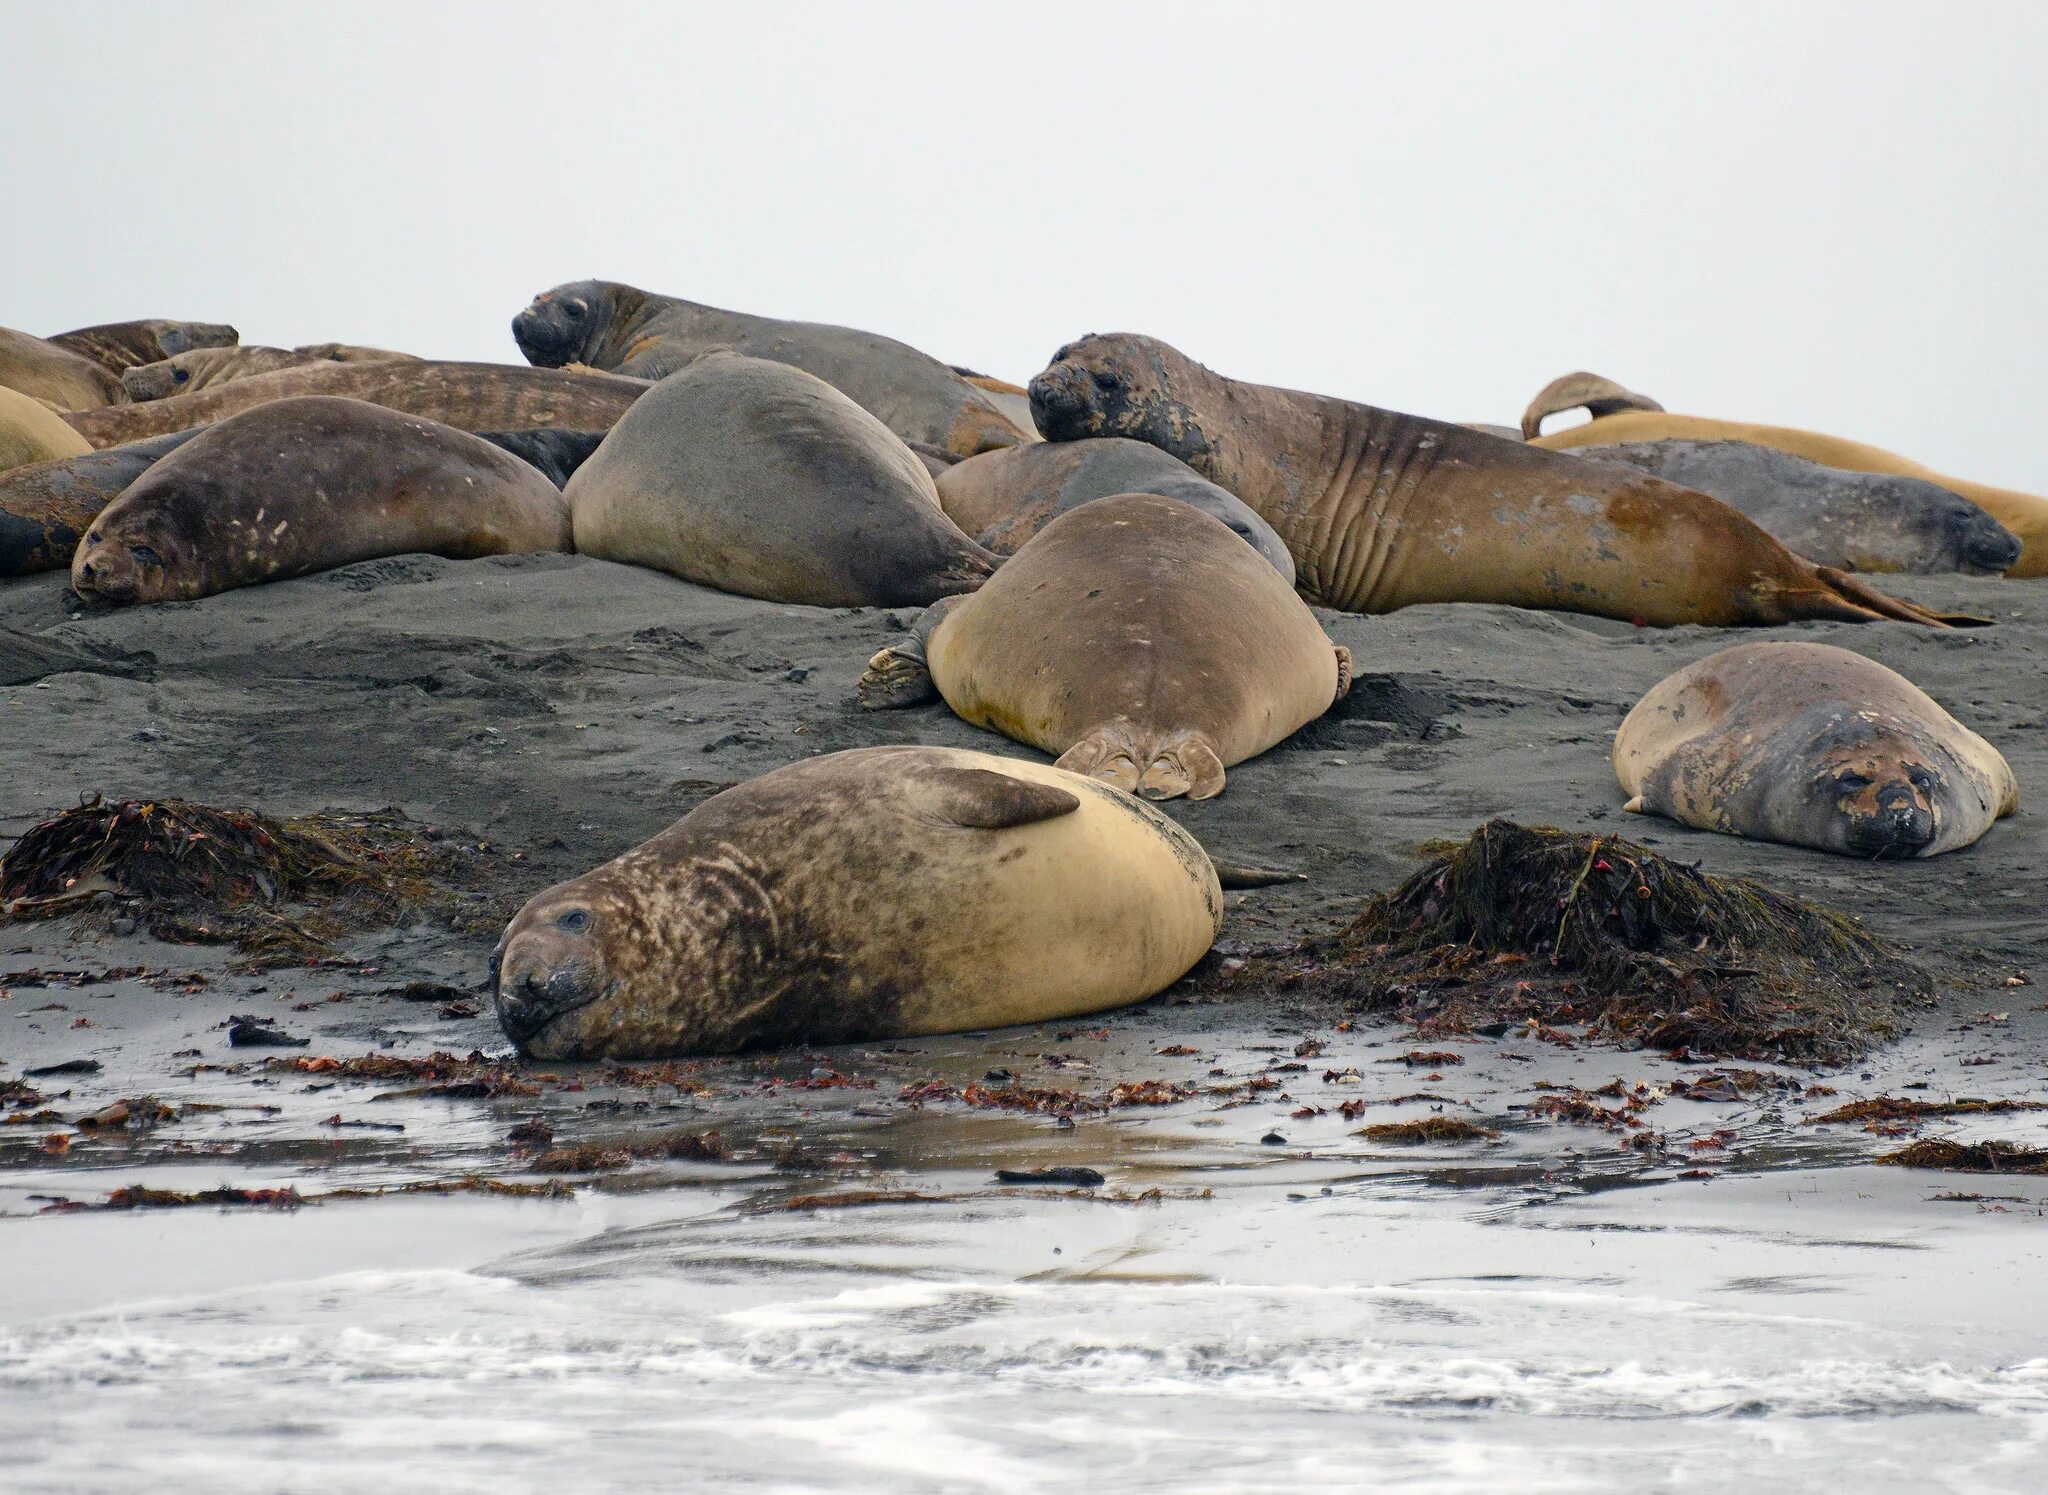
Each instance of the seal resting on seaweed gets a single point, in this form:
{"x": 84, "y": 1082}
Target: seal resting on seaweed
{"x": 1136, "y": 637}
{"x": 757, "y": 478}
{"x": 1814, "y": 746}
{"x": 1620, "y": 415}
{"x": 296, "y": 486}
{"x": 876, "y": 893}
{"x": 1383, "y": 510}
{"x": 602, "y": 324}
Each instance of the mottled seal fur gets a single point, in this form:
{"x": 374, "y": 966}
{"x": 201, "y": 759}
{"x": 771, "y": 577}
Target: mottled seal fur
{"x": 1382, "y": 510}
{"x": 1135, "y": 637}
{"x": 877, "y": 893}
{"x": 757, "y": 478}
{"x": 46, "y": 507}
{"x": 1814, "y": 746}
{"x": 605, "y": 325}
{"x": 188, "y": 373}
{"x": 1859, "y": 521}
{"x": 468, "y": 396}
{"x": 31, "y": 431}
{"x": 303, "y": 485}
{"x": 116, "y": 346}
{"x": 2024, "y": 514}
{"x": 1004, "y": 498}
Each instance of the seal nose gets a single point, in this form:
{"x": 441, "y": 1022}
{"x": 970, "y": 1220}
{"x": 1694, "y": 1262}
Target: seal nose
{"x": 1057, "y": 400}
{"x": 531, "y": 994}
{"x": 1904, "y": 822}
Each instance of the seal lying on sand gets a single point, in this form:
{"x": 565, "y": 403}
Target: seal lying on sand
{"x": 125, "y": 345}
{"x": 46, "y": 507}
{"x": 756, "y": 478}
{"x": 187, "y": 373}
{"x": 468, "y": 396}
{"x": 1628, "y": 417}
{"x": 1136, "y": 638}
{"x": 877, "y": 893}
{"x": 605, "y": 325}
{"x": 1004, "y": 498}
{"x": 44, "y": 371}
{"x": 31, "y": 431}
{"x": 1811, "y": 745}
{"x": 296, "y": 486}
{"x": 1859, "y": 521}
{"x": 1383, "y": 510}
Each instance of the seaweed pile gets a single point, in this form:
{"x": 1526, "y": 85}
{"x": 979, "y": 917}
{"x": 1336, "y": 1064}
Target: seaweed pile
{"x": 1522, "y": 923}
{"x": 276, "y": 889}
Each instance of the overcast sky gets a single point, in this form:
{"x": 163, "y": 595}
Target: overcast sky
{"x": 1827, "y": 215}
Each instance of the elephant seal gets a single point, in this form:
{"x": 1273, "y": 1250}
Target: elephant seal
{"x": 187, "y": 373}
{"x": 557, "y": 453}
{"x": 2024, "y": 514}
{"x": 878, "y": 893}
{"x": 46, "y": 507}
{"x": 1859, "y": 521}
{"x": 1813, "y": 746}
{"x": 1004, "y": 498}
{"x": 1137, "y": 638}
{"x": 757, "y": 478}
{"x": 1382, "y": 510}
{"x": 617, "y": 328}
{"x": 303, "y": 485}
{"x": 31, "y": 431}
{"x": 43, "y": 371}
{"x": 468, "y": 396}
{"x": 116, "y": 346}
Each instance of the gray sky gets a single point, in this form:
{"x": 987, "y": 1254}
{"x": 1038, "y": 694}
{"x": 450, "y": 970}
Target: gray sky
{"x": 1820, "y": 214}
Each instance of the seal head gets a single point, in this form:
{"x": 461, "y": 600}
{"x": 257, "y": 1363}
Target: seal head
{"x": 564, "y": 325}
{"x": 1120, "y": 384}
{"x": 551, "y": 964}
{"x": 1855, "y": 782}
{"x": 131, "y": 558}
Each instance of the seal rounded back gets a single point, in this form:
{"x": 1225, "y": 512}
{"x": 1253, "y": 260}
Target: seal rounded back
{"x": 45, "y": 371}
{"x": 116, "y": 346}
{"x": 31, "y": 431}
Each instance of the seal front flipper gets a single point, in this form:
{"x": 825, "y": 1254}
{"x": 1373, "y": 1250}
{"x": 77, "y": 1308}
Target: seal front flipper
{"x": 901, "y": 675}
{"x": 983, "y": 800}
{"x": 1581, "y": 391}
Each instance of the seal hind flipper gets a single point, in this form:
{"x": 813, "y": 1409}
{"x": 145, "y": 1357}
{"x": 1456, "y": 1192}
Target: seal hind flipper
{"x": 1580, "y": 391}
{"x": 984, "y": 800}
{"x": 1236, "y": 875}
{"x": 1862, "y": 594}
{"x": 1108, "y": 753}
{"x": 1343, "y": 674}
{"x": 900, "y": 676}
{"x": 1186, "y": 763}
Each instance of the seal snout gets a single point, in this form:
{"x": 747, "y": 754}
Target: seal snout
{"x": 99, "y": 574}
{"x": 545, "y": 971}
{"x": 1060, "y": 401}
{"x": 1982, "y": 543}
{"x": 1901, "y": 825}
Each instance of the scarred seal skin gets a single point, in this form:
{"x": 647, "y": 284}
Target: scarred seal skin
{"x": 190, "y": 372}
{"x": 877, "y": 893}
{"x": 1382, "y": 510}
{"x": 297, "y": 486}
{"x": 2024, "y": 514}
{"x": 1004, "y": 498}
{"x": 1814, "y": 746}
{"x": 46, "y": 507}
{"x": 1859, "y": 521}
{"x": 468, "y": 396}
{"x": 605, "y": 325}
{"x": 756, "y": 478}
{"x": 1135, "y": 637}
{"x": 116, "y": 346}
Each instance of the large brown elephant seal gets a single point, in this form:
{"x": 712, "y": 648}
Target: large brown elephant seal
{"x": 1004, "y": 498}
{"x": 125, "y": 345}
{"x": 1383, "y": 510}
{"x": 1814, "y": 746}
{"x": 31, "y": 431}
{"x": 1858, "y": 521}
{"x": 468, "y": 396}
{"x": 64, "y": 379}
{"x": 615, "y": 327}
{"x": 188, "y": 373}
{"x": 304, "y": 485}
{"x": 2025, "y": 514}
{"x": 756, "y": 478}
{"x": 46, "y": 507}
{"x": 1135, "y": 637}
{"x": 877, "y": 893}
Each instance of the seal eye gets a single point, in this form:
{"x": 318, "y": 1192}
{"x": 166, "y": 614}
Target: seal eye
{"x": 1106, "y": 381}
{"x": 181, "y": 376}
{"x": 575, "y": 921}
{"x": 574, "y": 308}
{"x": 1921, "y": 778}
{"x": 93, "y": 537}
{"x": 145, "y": 555}
{"x": 1852, "y": 782}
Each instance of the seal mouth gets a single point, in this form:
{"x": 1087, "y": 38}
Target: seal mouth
{"x": 1987, "y": 550}
{"x": 540, "y": 349}
{"x": 1059, "y": 402}
{"x": 1902, "y": 827}
{"x": 533, "y": 1000}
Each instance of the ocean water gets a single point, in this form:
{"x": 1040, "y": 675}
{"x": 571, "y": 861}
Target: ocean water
{"x": 1824, "y": 1329}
